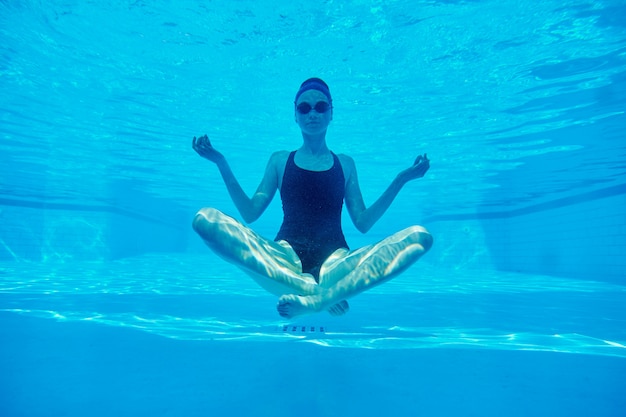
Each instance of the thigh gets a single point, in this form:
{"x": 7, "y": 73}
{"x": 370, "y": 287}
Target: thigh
{"x": 381, "y": 259}
{"x": 340, "y": 264}
{"x": 241, "y": 245}
{"x": 285, "y": 255}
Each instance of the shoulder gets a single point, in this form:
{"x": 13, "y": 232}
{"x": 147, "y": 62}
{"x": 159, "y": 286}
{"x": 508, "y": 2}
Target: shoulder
{"x": 278, "y": 161}
{"x": 279, "y": 158}
{"x": 347, "y": 164}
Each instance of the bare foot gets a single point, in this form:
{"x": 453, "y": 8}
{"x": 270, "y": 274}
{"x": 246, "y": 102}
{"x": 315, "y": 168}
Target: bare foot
{"x": 339, "y": 309}
{"x": 308, "y": 285}
{"x": 291, "y": 305}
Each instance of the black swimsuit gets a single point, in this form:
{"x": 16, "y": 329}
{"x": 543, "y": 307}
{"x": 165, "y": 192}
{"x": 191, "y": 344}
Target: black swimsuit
{"x": 312, "y": 204}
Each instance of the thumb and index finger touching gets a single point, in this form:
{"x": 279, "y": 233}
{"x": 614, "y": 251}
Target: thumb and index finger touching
{"x": 201, "y": 142}
{"x": 421, "y": 158}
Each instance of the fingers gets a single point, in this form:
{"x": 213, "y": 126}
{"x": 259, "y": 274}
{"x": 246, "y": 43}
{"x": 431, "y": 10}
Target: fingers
{"x": 421, "y": 159}
{"x": 420, "y": 166}
{"x": 200, "y": 142}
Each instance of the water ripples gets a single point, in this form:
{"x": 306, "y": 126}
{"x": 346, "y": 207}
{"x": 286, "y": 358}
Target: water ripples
{"x": 189, "y": 297}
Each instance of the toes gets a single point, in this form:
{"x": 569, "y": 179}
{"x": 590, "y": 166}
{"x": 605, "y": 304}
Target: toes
{"x": 284, "y": 313}
{"x": 339, "y": 309}
{"x": 283, "y": 308}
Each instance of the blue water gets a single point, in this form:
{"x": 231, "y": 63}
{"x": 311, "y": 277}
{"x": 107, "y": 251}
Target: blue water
{"x": 109, "y": 305}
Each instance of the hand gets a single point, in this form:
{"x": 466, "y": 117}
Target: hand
{"x": 203, "y": 147}
{"x": 418, "y": 170}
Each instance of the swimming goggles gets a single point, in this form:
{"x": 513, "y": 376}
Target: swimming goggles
{"x": 320, "y": 107}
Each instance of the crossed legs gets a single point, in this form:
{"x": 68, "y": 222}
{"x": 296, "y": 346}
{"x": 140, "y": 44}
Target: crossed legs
{"x": 276, "y": 267}
{"x": 273, "y": 265}
{"x": 347, "y": 274}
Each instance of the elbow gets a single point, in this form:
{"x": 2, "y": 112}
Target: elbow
{"x": 252, "y": 212}
{"x": 361, "y": 227}
{"x": 249, "y": 218}
{"x": 361, "y": 223}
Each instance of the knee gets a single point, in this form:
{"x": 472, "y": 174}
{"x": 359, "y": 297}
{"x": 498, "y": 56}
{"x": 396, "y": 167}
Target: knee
{"x": 420, "y": 235}
{"x": 205, "y": 219}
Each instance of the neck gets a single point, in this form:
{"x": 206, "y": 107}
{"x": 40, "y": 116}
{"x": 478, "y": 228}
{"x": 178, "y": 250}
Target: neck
{"x": 314, "y": 144}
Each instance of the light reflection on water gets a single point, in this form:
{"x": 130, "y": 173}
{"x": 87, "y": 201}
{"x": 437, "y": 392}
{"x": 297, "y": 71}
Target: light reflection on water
{"x": 190, "y": 297}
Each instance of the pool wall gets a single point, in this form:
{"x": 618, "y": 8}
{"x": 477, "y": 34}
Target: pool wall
{"x": 35, "y": 231}
{"x": 582, "y": 237}
{"x": 586, "y": 240}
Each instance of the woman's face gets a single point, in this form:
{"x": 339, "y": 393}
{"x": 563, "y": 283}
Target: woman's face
{"x": 310, "y": 114}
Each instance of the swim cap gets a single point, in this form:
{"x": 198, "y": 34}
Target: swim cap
{"x": 314, "y": 84}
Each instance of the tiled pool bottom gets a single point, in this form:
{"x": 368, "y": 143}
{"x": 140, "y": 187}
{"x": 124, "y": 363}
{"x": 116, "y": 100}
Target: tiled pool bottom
{"x": 189, "y": 335}
{"x": 52, "y": 368}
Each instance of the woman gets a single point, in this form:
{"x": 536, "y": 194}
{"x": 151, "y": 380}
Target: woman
{"x": 309, "y": 265}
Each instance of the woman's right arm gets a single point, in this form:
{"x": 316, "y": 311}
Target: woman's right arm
{"x": 249, "y": 208}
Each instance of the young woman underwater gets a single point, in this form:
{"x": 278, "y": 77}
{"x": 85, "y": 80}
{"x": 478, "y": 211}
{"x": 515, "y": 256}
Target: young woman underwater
{"x": 309, "y": 265}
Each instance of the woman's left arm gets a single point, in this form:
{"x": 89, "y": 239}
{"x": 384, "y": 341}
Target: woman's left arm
{"x": 365, "y": 217}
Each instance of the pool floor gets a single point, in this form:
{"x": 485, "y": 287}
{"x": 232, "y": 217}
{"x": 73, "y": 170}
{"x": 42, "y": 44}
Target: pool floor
{"x": 52, "y": 368}
{"x": 189, "y": 336}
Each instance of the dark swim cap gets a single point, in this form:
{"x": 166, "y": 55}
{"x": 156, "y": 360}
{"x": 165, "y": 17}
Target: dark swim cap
{"x": 314, "y": 84}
